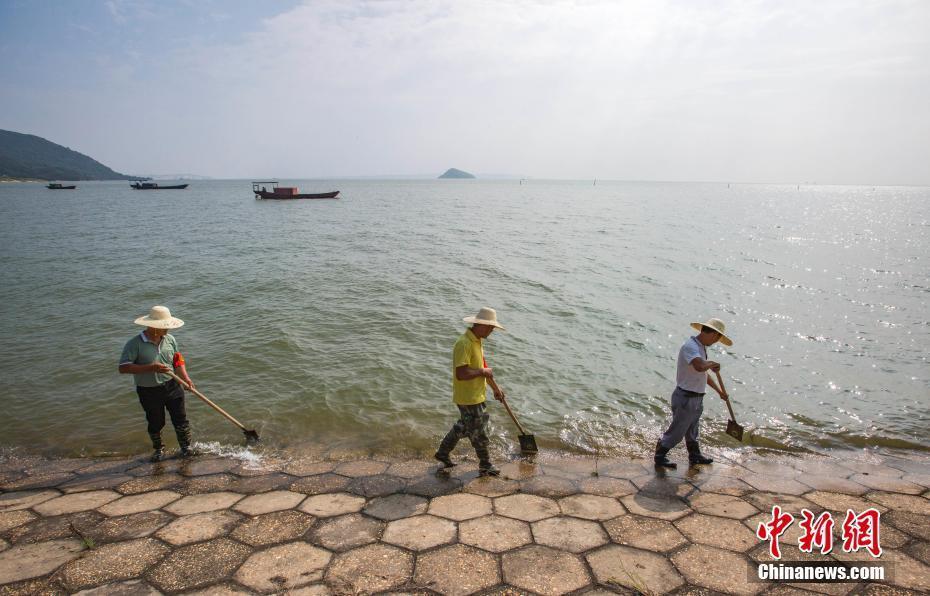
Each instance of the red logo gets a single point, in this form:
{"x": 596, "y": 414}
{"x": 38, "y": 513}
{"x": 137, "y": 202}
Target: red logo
{"x": 773, "y": 530}
{"x": 818, "y": 532}
{"x": 859, "y": 531}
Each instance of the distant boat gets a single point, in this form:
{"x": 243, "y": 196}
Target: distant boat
{"x": 286, "y": 192}
{"x": 155, "y": 186}
{"x": 59, "y": 186}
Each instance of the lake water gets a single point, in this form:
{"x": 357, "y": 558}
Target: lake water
{"x": 333, "y": 321}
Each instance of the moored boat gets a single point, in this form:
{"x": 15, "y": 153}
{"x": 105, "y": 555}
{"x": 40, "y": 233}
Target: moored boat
{"x": 59, "y": 186}
{"x": 140, "y": 185}
{"x": 287, "y": 192}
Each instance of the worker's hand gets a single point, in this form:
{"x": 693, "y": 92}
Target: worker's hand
{"x": 190, "y": 383}
{"x": 487, "y": 373}
{"x": 499, "y": 394}
{"x": 724, "y": 395}
{"x": 714, "y": 366}
{"x": 158, "y": 367}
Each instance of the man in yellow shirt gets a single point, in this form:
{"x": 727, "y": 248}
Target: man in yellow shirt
{"x": 470, "y": 376}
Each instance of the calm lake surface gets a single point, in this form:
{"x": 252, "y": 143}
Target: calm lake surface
{"x": 334, "y": 321}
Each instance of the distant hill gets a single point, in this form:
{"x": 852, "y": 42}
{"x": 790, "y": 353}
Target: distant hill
{"x": 29, "y": 156}
{"x": 454, "y": 173}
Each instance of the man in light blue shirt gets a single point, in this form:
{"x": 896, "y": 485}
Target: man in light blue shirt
{"x": 148, "y": 357}
{"x": 688, "y": 398}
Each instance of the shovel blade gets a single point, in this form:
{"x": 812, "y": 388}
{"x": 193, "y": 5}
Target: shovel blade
{"x": 734, "y": 430}
{"x": 528, "y": 444}
{"x": 251, "y": 436}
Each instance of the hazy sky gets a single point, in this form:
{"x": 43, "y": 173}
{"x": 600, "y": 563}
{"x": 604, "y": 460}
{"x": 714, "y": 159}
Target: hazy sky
{"x": 783, "y": 91}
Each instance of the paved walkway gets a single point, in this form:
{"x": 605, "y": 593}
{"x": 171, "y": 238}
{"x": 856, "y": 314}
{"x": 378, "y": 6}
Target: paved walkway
{"x": 211, "y": 525}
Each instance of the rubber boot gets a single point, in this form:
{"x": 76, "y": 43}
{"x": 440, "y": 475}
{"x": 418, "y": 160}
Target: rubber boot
{"x": 159, "y": 448}
{"x": 661, "y": 458}
{"x": 184, "y": 440}
{"x": 444, "y": 459}
{"x": 695, "y": 457}
{"x": 486, "y": 468}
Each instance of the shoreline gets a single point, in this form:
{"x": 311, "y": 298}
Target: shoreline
{"x": 327, "y": 521}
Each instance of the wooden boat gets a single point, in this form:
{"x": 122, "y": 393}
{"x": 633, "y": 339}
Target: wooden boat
{"x": 59, "y": 186}
{"x": 155, "y": 186}
{"x": 287, "y": 192}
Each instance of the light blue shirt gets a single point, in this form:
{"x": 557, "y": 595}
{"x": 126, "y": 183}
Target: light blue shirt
{"x": 687, "y": 377}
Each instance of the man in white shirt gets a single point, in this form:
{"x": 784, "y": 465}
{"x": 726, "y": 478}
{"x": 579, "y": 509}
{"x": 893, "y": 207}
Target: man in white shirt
{"x": 688, "y": 398}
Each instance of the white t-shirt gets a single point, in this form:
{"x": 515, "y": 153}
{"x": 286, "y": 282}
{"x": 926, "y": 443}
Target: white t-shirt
{"x": 687, "y": 377}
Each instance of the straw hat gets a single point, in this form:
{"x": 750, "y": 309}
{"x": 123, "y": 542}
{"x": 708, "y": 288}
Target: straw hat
{"x": 718, "y": 326}
{"x": 485, "y": 316}
{"x": 159, "y": 318}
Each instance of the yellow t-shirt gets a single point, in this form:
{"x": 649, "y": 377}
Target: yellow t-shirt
{"x": 468, "y": 352}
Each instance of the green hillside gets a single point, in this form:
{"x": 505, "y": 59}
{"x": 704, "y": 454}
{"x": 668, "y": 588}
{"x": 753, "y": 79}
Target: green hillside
{"x": 29, "y": 156}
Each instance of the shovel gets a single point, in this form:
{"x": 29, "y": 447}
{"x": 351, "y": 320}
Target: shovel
{"x": 527, "y": 442}
{"x": 250, "y": 435}
{"x": 733, "y": 429}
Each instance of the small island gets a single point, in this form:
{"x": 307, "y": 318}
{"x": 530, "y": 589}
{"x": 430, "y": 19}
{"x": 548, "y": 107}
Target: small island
{"x": 454, "y": 173}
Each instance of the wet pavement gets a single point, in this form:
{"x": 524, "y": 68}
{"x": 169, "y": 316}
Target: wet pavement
{"x": 333, "y": 525}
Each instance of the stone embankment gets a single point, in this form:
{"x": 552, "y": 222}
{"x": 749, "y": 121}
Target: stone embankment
{"x": 212, "y": 525}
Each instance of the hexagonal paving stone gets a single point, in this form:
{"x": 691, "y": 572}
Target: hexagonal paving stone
{"x": 723, "y": 485}
{"x": 396, "y": 507}
{"x": 373, "y": 568}
{"x": 716, "y": 531}
{"x": 722, "y": 506}
{"x": 606, "y": 486}
{"x": 914, "y": 524}
{"x": 144, "y": 484}
{"x": 284, "y": 567}
{"x": 354, "y": 469}
{"x": 838, "y": 502}
{"x": 53, "y": 528}
{"x": 199, "y": 526}
{"x": 37, "y": 481}
{"x": 457, "y": 570}
{"x": 526, "y": 507}
{"x": 460, "y": 507}
{"x": 495, "y": 533}
{"x": 411, "y": 468}
{"x": 833, "y": 484}
{"x": 643, "y": 571}
{"x": 262, "y": 483}
{"x": 225, "y": 590}
{"x": 113, "y": 562}
{"x": 434, "y": 486}
{"x": 320, "y": 484}
{"x": 899, "y": 502}
{"x": 35, "y": 560}
{"x": 785, "y": 486}
{"x": 198, "y": 565}
{"x": 876, "y": 467}
{"x": 127, "y": 527}
{"x": 489, "y": 486}
{"x": 139, "y": 503}
{"x": 667, "y": 508}
{"x": 549, "y": 486}
{"x": 19, "y": 500}
{"x": 271, "y": 528}
{"x": 133, "y": 587}
{"x": 591, "y": 507}
{"x": 83, "y": 483}
{"x": 330, "y": 504}
{"x": 198, "y": 485}
{"x": 76, "y": 502}
{"x": 308, "y": 467}
{"x": 544, "y": 570}
{"x": 202, "y": 503}
{"x": 205, "y": 467}
{"x": 644, "y": 532}
{"x": 278, "y": 500}
{"x": 664, "y": 486}
{"x": 568, "y": 533}
{"x": 12, "y": 519}
{"x": 764, "y": 502}
{"x": 346, "y": 532}
{"x": 376, "y": 486}
{"x": 716, "y": 569}
{"x": 419, "y": 532}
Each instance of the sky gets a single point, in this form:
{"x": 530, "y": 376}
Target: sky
{"x": 832, "y": 92}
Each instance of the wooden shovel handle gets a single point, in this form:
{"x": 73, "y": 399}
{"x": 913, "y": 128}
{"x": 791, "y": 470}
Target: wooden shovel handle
{"x": 207, "y": 401}
{"x": 729, "y": 407}
{"x": 507, "y": 406}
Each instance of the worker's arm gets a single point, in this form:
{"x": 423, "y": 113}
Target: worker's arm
{"x": 720, "y": 390}
{"x": 702, "y": 365}
{"x": 129, "y": 368}
{"x": 466, "y": 373}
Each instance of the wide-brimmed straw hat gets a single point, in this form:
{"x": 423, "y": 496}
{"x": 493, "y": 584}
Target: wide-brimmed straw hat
{"x": 718, "y": 326}
{"x": 485, "y": 316}
{"x": 159, "y": 317}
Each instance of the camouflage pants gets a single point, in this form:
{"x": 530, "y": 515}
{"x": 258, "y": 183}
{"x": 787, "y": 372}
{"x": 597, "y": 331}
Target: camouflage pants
{"x": 473, "y": 424}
